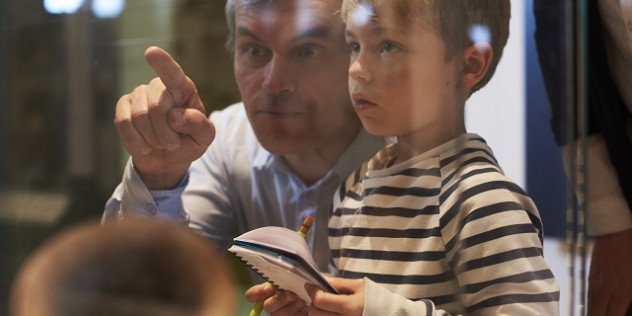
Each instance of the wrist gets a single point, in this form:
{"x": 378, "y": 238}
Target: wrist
{"x": 162, "y": 178}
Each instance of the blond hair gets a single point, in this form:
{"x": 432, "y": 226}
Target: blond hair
{"x": 453, "y": 20}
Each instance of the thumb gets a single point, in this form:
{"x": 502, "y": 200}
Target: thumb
{"x": 193, "y": 123}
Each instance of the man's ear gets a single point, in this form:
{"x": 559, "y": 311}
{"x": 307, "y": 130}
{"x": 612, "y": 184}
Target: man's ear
{"x": 476, "y": 60}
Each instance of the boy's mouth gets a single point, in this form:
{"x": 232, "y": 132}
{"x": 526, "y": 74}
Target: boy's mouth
{"x": 361, "y": 101}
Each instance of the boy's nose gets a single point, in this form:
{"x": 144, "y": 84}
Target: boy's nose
{"x": 357, "y": 71}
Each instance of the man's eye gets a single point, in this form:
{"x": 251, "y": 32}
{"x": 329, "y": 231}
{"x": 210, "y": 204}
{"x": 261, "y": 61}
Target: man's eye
{"x": 254, "y": 52}
{"x": 308, "y": 51}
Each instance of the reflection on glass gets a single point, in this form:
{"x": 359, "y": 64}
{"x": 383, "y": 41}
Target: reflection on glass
{"x": 49, "y": 47}
{"x": 62, "y": 6}
{"x": 107, "y": 8}
{"x": 480, "y": 33}
{"x": 361, "y": 14}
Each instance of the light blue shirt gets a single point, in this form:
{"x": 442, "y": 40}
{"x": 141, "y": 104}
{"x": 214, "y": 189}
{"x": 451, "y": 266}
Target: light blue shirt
{"x": 237, "y": 186}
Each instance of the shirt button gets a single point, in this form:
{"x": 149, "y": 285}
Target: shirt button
{"x": 150, "y": 209}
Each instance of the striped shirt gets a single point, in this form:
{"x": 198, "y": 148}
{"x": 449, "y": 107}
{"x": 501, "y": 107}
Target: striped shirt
{"x": 442, "y": 233}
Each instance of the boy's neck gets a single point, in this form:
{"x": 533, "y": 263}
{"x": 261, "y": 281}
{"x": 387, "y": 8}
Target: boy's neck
{"x": 421, "y": 141}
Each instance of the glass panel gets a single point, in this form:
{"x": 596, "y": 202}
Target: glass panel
{"x": 64, "y": 65}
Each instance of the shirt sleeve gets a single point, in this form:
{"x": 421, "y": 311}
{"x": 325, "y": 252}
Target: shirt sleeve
{"x": 496, "y": 254}
{"x": 132, "y": 199}
{"x": 380, "y": 301}
{"x": 608, "y": 210}
{"x": 203, "y": 199}
{"x": 207, "y": 198}
{"x": 219, "y": 181}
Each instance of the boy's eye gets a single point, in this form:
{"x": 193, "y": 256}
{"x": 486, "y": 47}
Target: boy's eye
{"x": 354, "y": 47}
{"x": 388, "y": 47}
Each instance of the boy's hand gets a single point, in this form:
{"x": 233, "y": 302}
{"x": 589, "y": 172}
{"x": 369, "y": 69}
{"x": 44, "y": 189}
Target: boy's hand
{"x": 350, "y": 302}
{"x": 276, "y": 303}
{"x": 163, "y": 124}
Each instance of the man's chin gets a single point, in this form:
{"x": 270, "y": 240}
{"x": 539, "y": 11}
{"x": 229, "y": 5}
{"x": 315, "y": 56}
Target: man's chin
{"x": 284, "y": 145}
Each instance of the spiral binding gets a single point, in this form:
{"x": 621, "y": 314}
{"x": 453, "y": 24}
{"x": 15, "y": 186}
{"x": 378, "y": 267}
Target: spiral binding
{"x": 261, "y": 274}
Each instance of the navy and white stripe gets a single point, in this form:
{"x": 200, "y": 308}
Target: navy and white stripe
{"x": 447, "y": 227}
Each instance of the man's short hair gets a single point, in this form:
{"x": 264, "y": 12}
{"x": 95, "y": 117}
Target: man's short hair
{"x": 230, "y": 9}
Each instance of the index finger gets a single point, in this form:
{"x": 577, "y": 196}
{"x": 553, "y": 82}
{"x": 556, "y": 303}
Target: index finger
{"x": 259, "y": 292}
{"x": 325, "y": 301}
{"x": 171, "y": 74}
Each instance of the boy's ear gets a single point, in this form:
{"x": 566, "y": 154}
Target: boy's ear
{"x": 476, "y": 60}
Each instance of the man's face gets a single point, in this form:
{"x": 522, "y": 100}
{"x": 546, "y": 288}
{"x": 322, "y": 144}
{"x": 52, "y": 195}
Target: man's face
{"x": 291, "y": 65}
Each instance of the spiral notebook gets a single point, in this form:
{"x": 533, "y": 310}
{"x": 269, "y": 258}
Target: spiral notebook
{"x": 282, "y": 257}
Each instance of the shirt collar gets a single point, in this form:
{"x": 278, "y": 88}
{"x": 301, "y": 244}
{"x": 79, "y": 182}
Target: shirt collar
{"x": 363, "y": 147}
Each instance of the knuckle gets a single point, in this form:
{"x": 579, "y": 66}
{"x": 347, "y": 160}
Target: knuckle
{"x": 139, "y": 89}
{"x": 153, "y": 105}
{"x": 161, "y": 98}
{"x": 140, "y": 115}
{"x": 122, "y": 122}
{"x": 156, "y": 81}
{"x": 123, "y": 100}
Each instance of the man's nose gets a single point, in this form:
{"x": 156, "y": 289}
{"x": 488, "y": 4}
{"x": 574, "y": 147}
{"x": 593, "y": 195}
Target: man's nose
{"x": 279, "y": 77}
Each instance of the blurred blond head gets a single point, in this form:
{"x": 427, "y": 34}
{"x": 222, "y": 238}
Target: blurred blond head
{"x": 128, "y": 268}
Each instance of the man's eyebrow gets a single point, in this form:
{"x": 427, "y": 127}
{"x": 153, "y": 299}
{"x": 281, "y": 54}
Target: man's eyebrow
{"x": 241, "y": 31}
{"x": 321, "y": 32}
{"x": 316, "y": 32}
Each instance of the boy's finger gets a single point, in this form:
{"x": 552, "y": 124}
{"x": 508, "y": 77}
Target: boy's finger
{"x": 259, "y": 292}
{"x": 325, "y": 301}
{"x": 284, "y": 303}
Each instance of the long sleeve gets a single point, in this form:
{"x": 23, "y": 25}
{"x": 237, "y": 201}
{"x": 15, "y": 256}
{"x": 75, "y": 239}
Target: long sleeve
{"x": 209, "y": 196}
{"x": 380, "y": 301}
{"x": 606, "y": 110}
{"x": 445, "y": 231}
{"x": 608, "y": 211}
{"x": 131, "y": 198}
{"x": 237, "y": 186}
{"x": 497, "y": 258}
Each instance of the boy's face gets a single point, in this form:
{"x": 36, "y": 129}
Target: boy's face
{"x": 400, "y": 80}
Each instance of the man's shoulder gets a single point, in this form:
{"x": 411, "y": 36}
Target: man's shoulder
{"x": 233, "y": 112}
{"x": 232, "y": 123}
{"x": 234, "y": 136}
